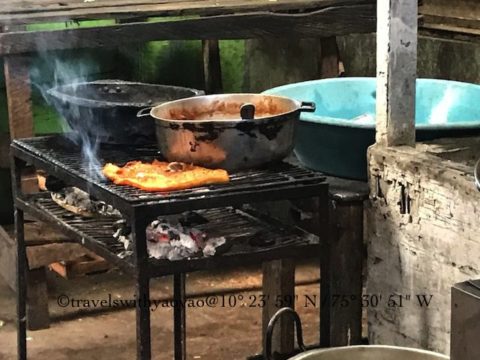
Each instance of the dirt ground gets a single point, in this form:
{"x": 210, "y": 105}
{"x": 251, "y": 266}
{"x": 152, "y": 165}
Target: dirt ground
{"x": 82, "y": 330}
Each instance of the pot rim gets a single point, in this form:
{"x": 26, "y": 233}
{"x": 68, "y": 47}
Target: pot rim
{"x": 307, "y": 354}
{"x": 56, "y": 93}
{"x": 225, "y": 122}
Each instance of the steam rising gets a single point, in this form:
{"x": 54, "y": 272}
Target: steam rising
{"x": 84, "y": 136}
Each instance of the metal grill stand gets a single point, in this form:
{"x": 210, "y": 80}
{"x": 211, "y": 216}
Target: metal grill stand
{"x": 63, "y": 161}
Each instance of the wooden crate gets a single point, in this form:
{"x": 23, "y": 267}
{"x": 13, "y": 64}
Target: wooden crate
{"x": 422, "y": 235}
{"x": 86, "y": 265}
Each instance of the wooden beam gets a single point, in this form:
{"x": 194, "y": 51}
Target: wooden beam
{"x": 22, "y": 12}
{"x": 396, "y": 71}
{"x": 331, "y": 21}
{"x": 44, "y": 255}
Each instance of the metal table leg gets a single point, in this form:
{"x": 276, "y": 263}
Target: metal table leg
{"x": 21, "y": 270}
{"x": 142, "y": 291}
{"x": 21, "y": 286}
{"x": 179, "y": 316}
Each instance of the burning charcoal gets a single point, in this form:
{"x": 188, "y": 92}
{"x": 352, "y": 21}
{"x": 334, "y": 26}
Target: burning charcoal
{"x": 192, "y": 219}
{"x": 126, "y": 241}
{"x": 211, "y": 245}
{"x": 121, "y": 227}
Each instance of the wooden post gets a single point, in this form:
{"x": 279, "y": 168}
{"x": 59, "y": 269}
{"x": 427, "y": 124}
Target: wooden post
{"x": 396, "y": 71}
{"x": 212, "y": 67}
{"x": 279, "y": 289}
{"x": 37, "y": 302}
{"x": 329, "y": 60}
{"x": 17, "y": 82}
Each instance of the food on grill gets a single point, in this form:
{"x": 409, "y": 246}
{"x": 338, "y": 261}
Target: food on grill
{"x": 163, "y": 176}
{"x": 80, "y": 203}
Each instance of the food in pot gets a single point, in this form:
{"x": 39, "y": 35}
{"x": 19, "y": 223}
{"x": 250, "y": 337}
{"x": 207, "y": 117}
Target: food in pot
{"x": 163, "y": 176}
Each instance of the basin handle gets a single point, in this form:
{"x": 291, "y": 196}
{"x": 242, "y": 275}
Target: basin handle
{"x": 307, "y": 106}
{"x": 144, "y": 112}
{"x": 267, "y": 349}
{"x": 477, "y": 175}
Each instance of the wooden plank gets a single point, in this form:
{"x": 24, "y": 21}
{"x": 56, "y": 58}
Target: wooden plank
{"x": 80, "y": 267}
{"x": 43, "y": 255}
{"x": 279, "y": 289}
{"x": 38, "y": 233}
{"x": 396, "y": 72}
{"x": 347, "y": 252}
{"x": 75, "y": 10}
{"x": 331, "y": 21}
{"x": 8, "y": 256}
{"x": 37, "y": 300}
{"x": 468, "y": 9}
{"x": 17, "y": 82}
{"x": 211, "y": 67}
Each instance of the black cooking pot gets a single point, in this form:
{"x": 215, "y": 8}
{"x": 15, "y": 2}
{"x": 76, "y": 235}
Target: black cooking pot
{"x": 106, "y": 109}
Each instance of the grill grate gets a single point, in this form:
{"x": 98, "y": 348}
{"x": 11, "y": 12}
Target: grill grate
{"x": 245, "y": 233}
{"x": 56, "y": 151}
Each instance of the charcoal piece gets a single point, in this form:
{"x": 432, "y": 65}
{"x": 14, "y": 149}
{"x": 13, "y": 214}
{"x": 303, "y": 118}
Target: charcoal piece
{"x": 54, "y": 184}
{"x": 192, "y": 219}
{"x": 260, "y": 239}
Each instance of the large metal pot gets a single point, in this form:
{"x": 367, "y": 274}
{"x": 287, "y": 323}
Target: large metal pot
{"x": 372, "y": 352}
{"x": 106, "y": 109}
{"x": 231, "y": 131}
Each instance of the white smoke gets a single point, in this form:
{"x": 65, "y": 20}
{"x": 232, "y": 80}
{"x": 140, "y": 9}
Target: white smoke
{"x": 72, "y": 73}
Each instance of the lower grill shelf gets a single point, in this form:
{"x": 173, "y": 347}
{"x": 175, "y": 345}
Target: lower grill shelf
{"x": 253, "y": 237}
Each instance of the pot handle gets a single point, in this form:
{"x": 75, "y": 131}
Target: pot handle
{"x": 144, "y": 112}
{"x": 267, "y": 350}
{"x": 477, "y": 175}
{"x": 307, "y": 106}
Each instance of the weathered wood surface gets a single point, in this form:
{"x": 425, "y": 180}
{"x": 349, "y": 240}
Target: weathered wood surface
{"x": 329, "y": 21}
{"x": 457, "y": 20}
{"x": 38, "y": 233}
{"x": 212, "y": 69}
{"x": 279, "y": 284}
{"x": 346, "y": 251}
{"x": 8, "y": 259}
{"x": 422, "y": 237}
{"x": 396, "y": 71}
{"x": 37, "y": 300}
{"x": 330, "y": 58}
{"x": 82, "y": 266}
{"x": 17, "y": 82}
{"x": 26, "y": 12}
{"x": 43, "y": 255}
